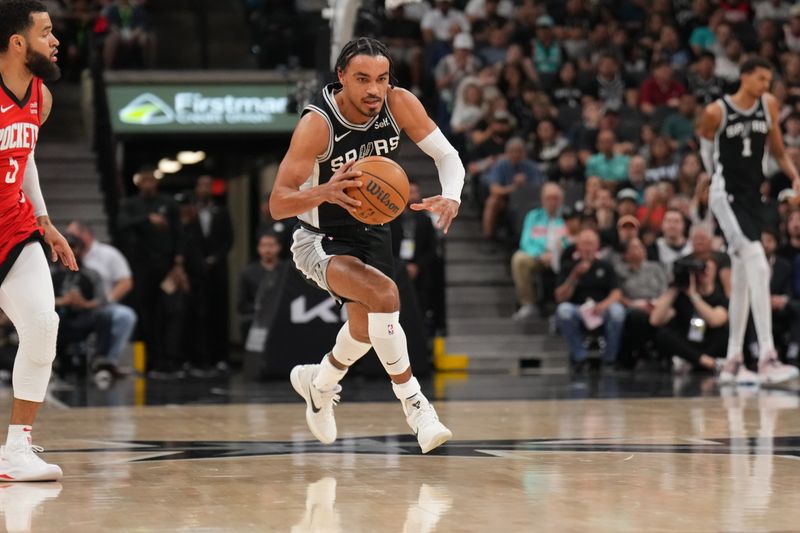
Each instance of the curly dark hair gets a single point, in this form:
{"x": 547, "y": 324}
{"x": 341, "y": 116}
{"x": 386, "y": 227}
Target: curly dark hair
{"x": 363, "y": 46}
{"x": 15, "y": 18}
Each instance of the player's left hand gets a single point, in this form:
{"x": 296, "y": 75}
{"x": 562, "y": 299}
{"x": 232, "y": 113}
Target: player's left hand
{"x": 59, "y": 248}
{"x": 446, "y": 208}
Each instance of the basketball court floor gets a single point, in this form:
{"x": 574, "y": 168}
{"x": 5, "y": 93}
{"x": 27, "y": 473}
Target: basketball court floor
{"x": 528, "y": 454}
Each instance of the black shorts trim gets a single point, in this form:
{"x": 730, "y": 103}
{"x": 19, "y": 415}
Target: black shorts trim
{"x": 13, "y": 254}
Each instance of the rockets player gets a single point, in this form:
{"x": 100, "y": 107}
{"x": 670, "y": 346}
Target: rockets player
{"x": 27, "y": 57}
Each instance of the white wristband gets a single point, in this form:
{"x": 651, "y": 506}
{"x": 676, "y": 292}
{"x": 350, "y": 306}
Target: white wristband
{"x": 451, "y": 170}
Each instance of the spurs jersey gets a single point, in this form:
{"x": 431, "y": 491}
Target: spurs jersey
{"x": 19, "y": 129}
{"x": 346, "y": 142}
{"x": 739, "y": 147}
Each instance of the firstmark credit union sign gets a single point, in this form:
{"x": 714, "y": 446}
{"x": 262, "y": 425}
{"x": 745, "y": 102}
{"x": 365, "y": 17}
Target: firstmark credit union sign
{"x": 138, "y": 109}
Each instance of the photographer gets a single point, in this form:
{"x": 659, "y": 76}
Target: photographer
{"x": 692, "y": 315}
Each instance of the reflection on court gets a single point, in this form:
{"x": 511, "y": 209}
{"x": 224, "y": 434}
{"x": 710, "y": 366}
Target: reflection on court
{"x": 706, "y": 464}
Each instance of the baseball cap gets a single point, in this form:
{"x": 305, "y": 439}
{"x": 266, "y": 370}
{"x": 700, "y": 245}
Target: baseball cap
{"x": 628, "y": 194}
{"x": 545, "y": 21}
{"x": 786, "y": 194}
{"x": 463, "y": 41}
{"x": 628, "y": 219}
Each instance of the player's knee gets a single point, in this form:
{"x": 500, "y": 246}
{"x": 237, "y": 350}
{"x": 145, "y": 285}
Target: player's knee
{"x": 38, "y": 339}
{"x": 386, "y": 297}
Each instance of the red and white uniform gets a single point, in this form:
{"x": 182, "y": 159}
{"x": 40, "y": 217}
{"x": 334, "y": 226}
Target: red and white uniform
{"x": 19, "y": 129}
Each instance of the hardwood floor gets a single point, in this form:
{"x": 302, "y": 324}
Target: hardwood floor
{"x": 699, "y": 464}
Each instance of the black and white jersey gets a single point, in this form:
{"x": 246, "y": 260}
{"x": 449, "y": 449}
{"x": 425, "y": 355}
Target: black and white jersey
{"x": 347, "y": 142}
{"x": 739, "y": 147}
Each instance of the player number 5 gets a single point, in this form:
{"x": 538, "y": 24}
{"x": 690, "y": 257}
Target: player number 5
{"x": 11, "y": 175}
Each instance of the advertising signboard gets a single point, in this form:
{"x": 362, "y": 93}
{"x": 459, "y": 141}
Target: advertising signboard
{"x": 137, "y": 109}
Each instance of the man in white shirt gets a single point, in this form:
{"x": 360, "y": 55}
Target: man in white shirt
{"x": 443, "y": 22}
{"x": 439, "y": 26}
{"x": 117, "y": 281}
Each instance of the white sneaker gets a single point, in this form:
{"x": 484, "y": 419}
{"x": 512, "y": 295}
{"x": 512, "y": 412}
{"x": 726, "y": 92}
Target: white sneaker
{"x": 19, "y": 462}
{"x": 422, "y": 418}
{"x": 18, "y": 502}
{"x": 734, "y": 372}
{"x": 524, "y": 313}
{"x": 319, "y": 404}
{"x": 771, "y": 371}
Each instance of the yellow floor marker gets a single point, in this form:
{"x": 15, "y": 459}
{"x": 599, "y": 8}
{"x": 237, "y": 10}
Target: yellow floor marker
{"x": 444, "y": 361}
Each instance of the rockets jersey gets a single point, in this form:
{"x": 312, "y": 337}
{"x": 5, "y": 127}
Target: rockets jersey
{"x": 19, "y": 129}
{"x": 346, "y": 142}
{"x": 739, "y": 148}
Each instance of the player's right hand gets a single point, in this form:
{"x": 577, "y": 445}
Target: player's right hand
{"x": 344, "y": 178}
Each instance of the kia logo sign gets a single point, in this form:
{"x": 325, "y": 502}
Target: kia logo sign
{"x": 325, "y": 311}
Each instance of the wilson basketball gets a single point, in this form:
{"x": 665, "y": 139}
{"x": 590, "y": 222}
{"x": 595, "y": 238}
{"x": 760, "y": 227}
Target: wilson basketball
{"x": 383, "y": 192}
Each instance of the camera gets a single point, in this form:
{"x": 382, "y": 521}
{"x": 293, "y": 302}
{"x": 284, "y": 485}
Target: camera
{"x": 683, "y": 269}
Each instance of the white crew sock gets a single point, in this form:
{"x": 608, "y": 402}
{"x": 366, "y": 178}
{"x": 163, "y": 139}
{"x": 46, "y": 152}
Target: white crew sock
{"x": 407, "y": 390}
{"x": 18, "y": 432}
{"x": 328, "y": 375}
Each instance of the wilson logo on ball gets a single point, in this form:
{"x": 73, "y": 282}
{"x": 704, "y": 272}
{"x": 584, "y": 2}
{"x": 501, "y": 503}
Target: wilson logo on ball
{"x": 383, "y": 192}
{"x": 382, "y": 196}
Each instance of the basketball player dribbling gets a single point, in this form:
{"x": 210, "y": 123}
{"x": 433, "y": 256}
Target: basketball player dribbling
{"x": 359, "y": 116}
{"x": 27, "y": 57}
{"x": 734, "y": 131}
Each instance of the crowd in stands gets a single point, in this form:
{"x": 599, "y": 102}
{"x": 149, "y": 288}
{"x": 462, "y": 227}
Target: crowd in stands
{"x": 576, "y": 122}
{"x": 111, "y": 33}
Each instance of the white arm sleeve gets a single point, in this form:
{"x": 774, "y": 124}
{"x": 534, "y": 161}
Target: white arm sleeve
{"x": 451, "y": 170}
{"x": 707, "y": 154}
{"x": 32, "y": 189}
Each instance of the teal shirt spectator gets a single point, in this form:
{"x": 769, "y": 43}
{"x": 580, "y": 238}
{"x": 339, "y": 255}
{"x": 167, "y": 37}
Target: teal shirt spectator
{"x": 547, "y": 59}
{"x": 702, "y": 37}
{"x": 538, "y": 228}
{"x": 503, "y": 172}
{"x": 678, "y": 128}
{"x": 613, "y": 169}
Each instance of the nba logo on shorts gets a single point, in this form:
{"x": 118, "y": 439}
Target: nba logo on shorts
{"x": 390, "y": 327}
